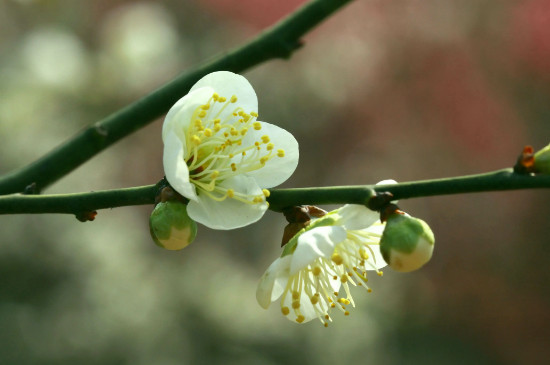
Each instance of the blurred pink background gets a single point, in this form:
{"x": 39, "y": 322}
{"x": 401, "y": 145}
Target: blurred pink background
{"x": 398, "y": 89}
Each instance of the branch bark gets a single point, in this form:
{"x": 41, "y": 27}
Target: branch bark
{"x": 280, "y": 198}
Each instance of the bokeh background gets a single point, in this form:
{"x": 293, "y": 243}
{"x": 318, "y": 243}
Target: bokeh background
{"x": 403, "y": 89}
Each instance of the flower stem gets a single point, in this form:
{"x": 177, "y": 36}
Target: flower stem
{"x": 280, "y": 41}
{"x": 279, "y": 199}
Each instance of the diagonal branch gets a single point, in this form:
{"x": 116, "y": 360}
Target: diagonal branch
{"x": 279, "y": 199}
{"x": 279, "y": 41}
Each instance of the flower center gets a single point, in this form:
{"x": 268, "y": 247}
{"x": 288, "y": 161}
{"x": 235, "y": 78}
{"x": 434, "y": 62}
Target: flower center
{"x": 217, "y": 148}
{"x": 318, "y": 282}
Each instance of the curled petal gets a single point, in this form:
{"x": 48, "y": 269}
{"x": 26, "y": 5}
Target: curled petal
{"x": 175, "y": 167}
{"x": 273, "y": 282}
{"x": 180, "y": 115}
{"x": 228, "y": 213}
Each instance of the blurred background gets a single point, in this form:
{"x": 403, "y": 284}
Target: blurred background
{"x": 402, "y": 89}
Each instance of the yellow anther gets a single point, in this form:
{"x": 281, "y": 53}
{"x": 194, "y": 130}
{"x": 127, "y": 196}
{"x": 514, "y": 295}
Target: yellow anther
{"x": 335, "y": 293}
{"x": 258, "y": 199}
{"x": 243, "y": 131}
{"x": 346, "y": 313}
{"x": 369, "y": 290}
{"x": 335, "y": 278}
{"x": 316, "y": 270}
{"x": 222, "y": 99}
{"x": 217, "y": 121}
{"x": 270, "y": 146}
{"x": 300, "y": 319}
{"x": 202, "y": 114}
{"x": 380, "y": 273}
{"x": 281, "y": 153}
{"x": 263, "y": 160}
{"x": 215, "y": 174}
{"x": 233, "y": 99}
{"x": 265, "y": 139}
{"x": 196, "y": 140}
{"x": 217, "y": 127}
{"x": 296, "y": 304}
{"x": 266, "y": 192}
{"x": 285, "y": 310}
{"x": 231, "y": 155}
{"x": 257, "y": 144}
{"x": 230, "y": 193}
{"x": 364, "y": 255}
{"x": 233, "y": 167}
{"x": 337, "y": 259}
{"x": 241, "y": 113}
{"x": 327, "y": 317}
{"x": 326, "y": 324}
{"x": 254, "y": 114}
{"x": 332, "y": 305}
{"x": 225, "y": 134}
{"x": 205, "y": 107}
{"x": 215, "y": 96}
{"x": 208, "y": 132}
{"x": 314, "y": 299}
{"x": 235, "y": 114}
{"x": 246, "y": 117}
{"x": 244, "y": 153}
{"x": 257, "y": 126}
{"x": 295, "y": 295}
{"x": 344, "y": 279}
{"x": 234, "y": 132}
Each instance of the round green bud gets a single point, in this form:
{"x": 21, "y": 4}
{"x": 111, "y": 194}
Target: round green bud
{"x": 542, "y": 160}
{"x": 170, "y": 226}
{"x": 407, "y": 243}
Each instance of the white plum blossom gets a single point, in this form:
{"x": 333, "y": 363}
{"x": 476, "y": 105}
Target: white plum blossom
{"x": 317, "y": 266}
{"x": 220, "y": 156}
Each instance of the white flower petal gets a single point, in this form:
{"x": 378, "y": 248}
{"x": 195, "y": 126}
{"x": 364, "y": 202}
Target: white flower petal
{"x": 356, "y": 217}
{"x": 273, "y": 281}
{"x": 228, "y": 213}
{"x": 179, "y": 116}
{"x": 277, "y": 169}
{"x": 315, "y": 243}
{"x": 227, "y": 84}
{"x": 175, "y": 167}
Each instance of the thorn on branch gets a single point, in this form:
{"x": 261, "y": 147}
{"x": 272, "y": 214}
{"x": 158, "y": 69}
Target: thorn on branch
{"x": 86, "y": 216}
{"x": 31, "y": 189}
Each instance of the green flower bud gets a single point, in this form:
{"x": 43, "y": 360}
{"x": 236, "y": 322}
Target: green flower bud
{"x": 542, "y": 160}
{"x": 407, "y": 242}
{"x": 171, "y": 228}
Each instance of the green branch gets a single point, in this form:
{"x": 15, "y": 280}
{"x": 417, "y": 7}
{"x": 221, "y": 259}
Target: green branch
{"x": 280, "y": 41}
{"x": 279, "y": 199}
